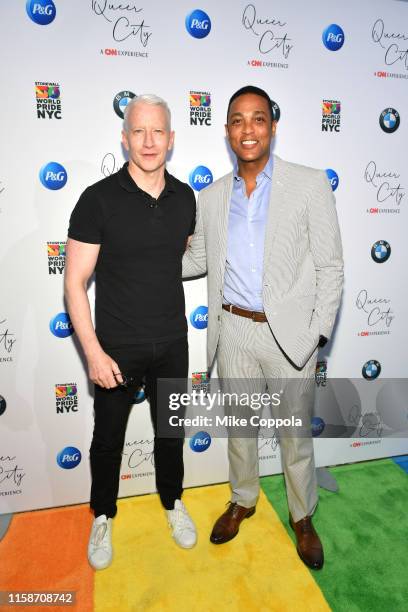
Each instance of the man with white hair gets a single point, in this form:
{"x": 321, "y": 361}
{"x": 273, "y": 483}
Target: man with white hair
{"x": 131, "y": 229}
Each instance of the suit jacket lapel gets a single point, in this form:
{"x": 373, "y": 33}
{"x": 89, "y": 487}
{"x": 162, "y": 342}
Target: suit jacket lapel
{"x": 276, "y": 208}
{"x": 222, "y": 225}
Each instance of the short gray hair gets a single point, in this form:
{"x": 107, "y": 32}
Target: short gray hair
{"x": 146, "y": 99}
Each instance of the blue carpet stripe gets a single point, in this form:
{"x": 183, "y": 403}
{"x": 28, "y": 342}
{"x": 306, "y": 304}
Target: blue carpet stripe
{"x": 402, "y": 462}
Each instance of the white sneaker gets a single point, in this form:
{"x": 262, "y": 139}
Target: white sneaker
{"x": 183, "y": 528}
{"x": 100, "y": 543}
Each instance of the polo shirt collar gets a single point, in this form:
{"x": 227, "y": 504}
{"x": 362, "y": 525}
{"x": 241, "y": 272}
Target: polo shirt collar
{"x": 126, "y": 181}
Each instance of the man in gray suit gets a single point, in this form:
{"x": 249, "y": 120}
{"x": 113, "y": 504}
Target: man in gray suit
{"x": 267, "y": 235}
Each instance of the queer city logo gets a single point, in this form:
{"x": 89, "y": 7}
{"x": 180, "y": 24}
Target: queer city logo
{"x": 127, "y": 24}
{"x": 394, "y": 50}
{"x": 270, "y": 34}
{"x": 387, "y": 187}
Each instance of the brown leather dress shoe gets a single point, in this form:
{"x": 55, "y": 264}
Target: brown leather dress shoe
{"x": 309, "y": 546}
{"x": 227, "y": 526}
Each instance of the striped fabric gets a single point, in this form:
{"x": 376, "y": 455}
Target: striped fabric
{"x": 248, "y": 360}
{"x": 303, "y": 265}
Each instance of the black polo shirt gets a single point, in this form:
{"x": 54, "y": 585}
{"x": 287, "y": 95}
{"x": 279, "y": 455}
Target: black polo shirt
{"x": 139, "y": 292}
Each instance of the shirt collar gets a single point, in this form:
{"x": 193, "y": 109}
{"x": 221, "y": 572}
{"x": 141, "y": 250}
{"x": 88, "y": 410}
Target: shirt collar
{"x": 267, "y": 170}
{"x": 126, "y": 181}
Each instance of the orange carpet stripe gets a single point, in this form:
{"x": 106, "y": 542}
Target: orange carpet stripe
{"x": 46, "y": 551}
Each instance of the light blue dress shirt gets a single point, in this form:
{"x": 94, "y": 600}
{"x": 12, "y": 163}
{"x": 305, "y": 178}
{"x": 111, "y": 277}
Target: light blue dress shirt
{"x": 246, "y": 238}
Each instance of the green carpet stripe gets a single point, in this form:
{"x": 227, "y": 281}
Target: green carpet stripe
{"x": 364, "y": 530}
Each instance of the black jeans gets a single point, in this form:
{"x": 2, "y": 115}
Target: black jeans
{"x": 112, "y": 408}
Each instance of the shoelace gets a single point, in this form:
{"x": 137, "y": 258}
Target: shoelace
{"x": 100, "y": 533}
{"x": 182, "y": 520}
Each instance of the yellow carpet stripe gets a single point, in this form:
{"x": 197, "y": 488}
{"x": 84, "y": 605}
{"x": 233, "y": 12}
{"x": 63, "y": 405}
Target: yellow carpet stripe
{"x": 258, "y": 570}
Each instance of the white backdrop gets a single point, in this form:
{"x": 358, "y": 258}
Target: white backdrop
{"x": 59, "y": 84}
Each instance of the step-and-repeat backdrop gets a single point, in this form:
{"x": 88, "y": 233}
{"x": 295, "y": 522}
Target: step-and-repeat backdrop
{"x": 338, "y": 76}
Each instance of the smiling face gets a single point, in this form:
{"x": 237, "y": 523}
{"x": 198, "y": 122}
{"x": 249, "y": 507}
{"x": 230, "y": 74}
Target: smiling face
{"x": 148, "y": 137}
{"x": 250, "y": 129}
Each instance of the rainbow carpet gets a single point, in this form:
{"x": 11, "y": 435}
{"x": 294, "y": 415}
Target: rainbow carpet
{"x": 364, "y": 529}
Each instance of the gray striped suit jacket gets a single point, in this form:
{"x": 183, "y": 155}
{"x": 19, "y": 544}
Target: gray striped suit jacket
{"x": 303, "y": 265}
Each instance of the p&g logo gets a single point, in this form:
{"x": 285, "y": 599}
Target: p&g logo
{"x": 61, "y": 325}
{"x": 53, "y": 176}
{"x": 199, "y": 317}
{"x": 198, "y": 24}
{"x": 200, "y": 442}
{"x": 69, "y": 457}
{"x": 200, "y": 177}
{"x": 318, "y": 426}
{"x": 41, "y": 11}
{"x": 333, "y": 37}
{"x": 333, "y": 178}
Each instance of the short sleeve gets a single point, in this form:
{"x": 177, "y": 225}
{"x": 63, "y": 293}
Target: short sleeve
{"x": 193, "y": 213}
{"x": 86, "y": 219}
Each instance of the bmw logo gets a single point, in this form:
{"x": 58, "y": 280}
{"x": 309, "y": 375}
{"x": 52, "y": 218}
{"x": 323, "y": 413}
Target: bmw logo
{"x": 121, "y": 100}
{"x": 389, "y": 120}
{"x": 371, "y": 369}
{"x": 275, "y": 111}
{"x": 139, "y": 396}
{"x": 380, "y": 251}
{"x": 318, "y": 426}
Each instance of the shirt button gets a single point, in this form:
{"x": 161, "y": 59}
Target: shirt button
{"x": 251, "y": 244}
{"x": 253, "y": 269}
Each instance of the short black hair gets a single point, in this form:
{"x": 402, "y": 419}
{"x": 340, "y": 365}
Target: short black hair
{"x": 251, "y": 89}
